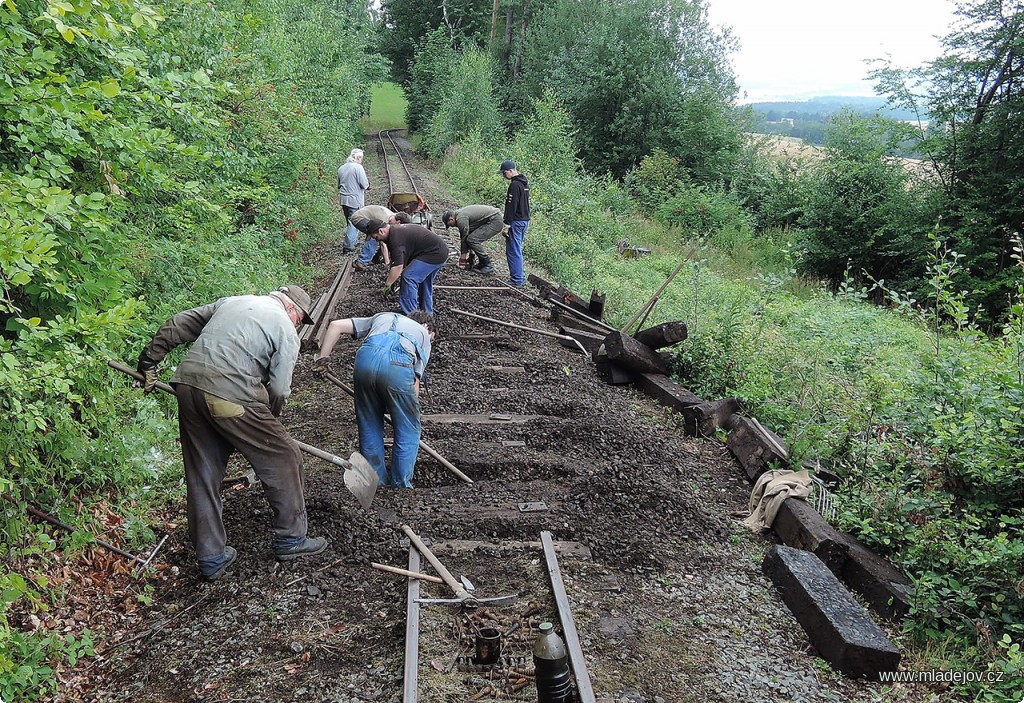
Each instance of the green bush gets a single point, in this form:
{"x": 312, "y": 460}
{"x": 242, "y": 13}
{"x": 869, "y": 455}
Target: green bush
{"x": 152, "y": 158}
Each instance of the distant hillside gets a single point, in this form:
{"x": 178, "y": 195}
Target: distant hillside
{"x": 831, "y": 104}
{"x": 808, "y": 119}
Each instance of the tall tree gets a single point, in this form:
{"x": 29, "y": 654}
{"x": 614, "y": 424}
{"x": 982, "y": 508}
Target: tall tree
{"x": 407, "y": 22}
{"x": 637, "y": 75}
{"x": 974, "y": 97}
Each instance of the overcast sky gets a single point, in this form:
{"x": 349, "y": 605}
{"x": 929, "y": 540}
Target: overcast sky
{"x": 795, "y": 49}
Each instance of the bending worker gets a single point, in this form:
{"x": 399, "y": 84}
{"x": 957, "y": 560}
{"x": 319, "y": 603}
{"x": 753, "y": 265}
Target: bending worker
{"x": 417, "y": 254}
{"x": 360, "y": 219}
{"x": 477, "y": 224}
{"x": 388, "y": 369}
{"x": 231, "y": 388}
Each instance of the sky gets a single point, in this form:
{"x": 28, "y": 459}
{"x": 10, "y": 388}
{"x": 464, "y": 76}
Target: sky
{"x": 797, "y": 49}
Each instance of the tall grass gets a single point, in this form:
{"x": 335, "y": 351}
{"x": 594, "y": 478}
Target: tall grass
{"x": 387, "y": 108}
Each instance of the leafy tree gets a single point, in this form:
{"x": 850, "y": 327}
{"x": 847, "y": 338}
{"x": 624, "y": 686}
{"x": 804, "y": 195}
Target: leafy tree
{"x": 974, "y": 96}
{"x": 407, "y": 22}
{"x": 865, "y": 211}
{"x": 466, "y": 104}
{"x": 636, "y": 76}
{"x": 428, "y": 78}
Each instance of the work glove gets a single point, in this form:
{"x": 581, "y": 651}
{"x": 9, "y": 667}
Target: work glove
{"x": 147, "y": 367}
{"x": 505, "y": 231}
{"x": 464, "y": 261}
{"x": 386, "y": 292}
{"x": 322, "y": 366}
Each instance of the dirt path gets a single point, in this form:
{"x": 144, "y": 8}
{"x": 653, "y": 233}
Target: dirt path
{"x": 671, "y": 604}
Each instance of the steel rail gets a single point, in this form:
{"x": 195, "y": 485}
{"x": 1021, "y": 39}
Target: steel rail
{"x": 401, "y": 159}
{"x": 584, "y": 689}
{"x": 410, "y": 683}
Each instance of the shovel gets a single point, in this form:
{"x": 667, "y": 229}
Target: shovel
{"x": 360, "y": 478}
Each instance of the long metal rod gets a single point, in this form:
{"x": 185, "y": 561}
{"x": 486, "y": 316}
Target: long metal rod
{"x": 46, "y": 517}
{"x": 654, "y": 298}
{"x": 423, "y": 445}
{"x": 520, "y": 327}
{"x": 584, "y": 689}
{"x": 471, "y": 288}
{"x": 580, "y": 315}
{"x": 410, "y": 684}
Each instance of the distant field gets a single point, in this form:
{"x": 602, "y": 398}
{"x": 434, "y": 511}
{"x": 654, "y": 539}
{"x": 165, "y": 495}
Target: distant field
{"x": 797, "y": 151}
{"x": 387, "y": 108}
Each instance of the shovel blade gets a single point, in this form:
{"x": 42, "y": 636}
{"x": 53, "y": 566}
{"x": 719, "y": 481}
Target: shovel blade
{"x": 361, "y": 480}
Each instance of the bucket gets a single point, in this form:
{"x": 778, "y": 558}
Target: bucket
{"x": 488, "y": 646}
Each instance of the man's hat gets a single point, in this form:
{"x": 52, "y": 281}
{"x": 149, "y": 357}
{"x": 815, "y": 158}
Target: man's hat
{"x": 301, "y": 300}
{"x": 361, "y": 224}
{"x": 506, "y": 166}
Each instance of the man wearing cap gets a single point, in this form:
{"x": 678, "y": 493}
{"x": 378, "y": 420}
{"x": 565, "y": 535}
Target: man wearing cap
{"x": 231, "y": 387}
{"x": 517, "y": 217}
{"x": 477, "y": 224}
{"x": 417, "y": 254}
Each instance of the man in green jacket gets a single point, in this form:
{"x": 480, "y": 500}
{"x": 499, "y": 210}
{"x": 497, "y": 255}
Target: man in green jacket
{"x": 231, "y": 387}
{"x": 477, "y": 224}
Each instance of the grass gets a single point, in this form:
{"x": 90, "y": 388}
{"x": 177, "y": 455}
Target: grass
{"x": 387, "y": 108}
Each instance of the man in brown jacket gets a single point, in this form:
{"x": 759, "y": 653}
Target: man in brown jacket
{"x": 231, "y": 387}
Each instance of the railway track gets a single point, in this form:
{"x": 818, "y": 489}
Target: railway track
{"x": 396, "y": 168}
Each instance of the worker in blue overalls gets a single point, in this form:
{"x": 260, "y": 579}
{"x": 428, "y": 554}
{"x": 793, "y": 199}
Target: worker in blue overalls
{"x": 388, "y": 369}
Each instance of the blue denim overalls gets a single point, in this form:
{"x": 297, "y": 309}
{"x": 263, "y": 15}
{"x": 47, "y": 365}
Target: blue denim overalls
{"x": 385, "y": 381}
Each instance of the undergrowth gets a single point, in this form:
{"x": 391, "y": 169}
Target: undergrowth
{"x": 918, "y": 410}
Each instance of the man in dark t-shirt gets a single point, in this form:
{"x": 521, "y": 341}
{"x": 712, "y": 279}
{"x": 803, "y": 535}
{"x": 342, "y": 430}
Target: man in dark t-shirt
{"x": 417, "y": 254}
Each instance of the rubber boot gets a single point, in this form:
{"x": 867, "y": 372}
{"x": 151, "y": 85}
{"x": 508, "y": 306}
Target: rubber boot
{"x": 484, "y": 267}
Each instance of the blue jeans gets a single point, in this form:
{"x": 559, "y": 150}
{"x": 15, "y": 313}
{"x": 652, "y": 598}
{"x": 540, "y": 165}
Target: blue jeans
{"x": 368, "y": 251}
{"x": 418, "y": 286}
{"x": 514, "y": 251}
{"x": 384, "y": 381}
{"x": 351, "y": 233}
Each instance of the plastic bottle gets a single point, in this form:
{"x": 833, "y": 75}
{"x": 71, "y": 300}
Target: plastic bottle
{"x": 551, "y": 659}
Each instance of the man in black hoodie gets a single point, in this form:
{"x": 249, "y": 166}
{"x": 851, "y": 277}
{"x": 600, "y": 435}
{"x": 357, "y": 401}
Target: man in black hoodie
{"x": 517, "y": 218}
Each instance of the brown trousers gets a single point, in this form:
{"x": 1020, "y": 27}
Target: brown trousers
{"x": 211, "y": 429}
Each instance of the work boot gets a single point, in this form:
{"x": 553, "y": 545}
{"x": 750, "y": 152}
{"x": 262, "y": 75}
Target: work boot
{"x": 484, "y": 267}
{"x": 359, "y": 266}
{"x": 213, "y": 569}
{"x": 307, "y": 547}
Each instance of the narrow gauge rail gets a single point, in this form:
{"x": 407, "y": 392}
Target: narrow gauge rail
{"x": 402, "y": 198}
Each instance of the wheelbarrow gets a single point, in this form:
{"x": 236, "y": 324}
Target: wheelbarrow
{"x": 413, "y": 205}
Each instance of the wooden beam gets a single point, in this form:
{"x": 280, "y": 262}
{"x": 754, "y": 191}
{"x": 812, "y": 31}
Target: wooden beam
{"x": 663, "y": 335}
{"x": 625, "y": 350}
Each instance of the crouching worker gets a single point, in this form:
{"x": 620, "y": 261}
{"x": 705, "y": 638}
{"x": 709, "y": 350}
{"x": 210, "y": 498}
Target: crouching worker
{"x": 477, "y": 224}
{"x": 388, "y": 369}
{"x": 231, "y": 387}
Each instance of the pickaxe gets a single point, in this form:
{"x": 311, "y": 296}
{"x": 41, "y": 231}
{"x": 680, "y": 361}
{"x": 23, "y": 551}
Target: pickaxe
{"x": 462, "y": 596}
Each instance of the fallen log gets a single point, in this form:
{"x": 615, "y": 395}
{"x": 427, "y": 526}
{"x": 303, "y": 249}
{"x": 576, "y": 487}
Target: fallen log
{"x": 625, "y": 350}
{"x": 663, "y": 335}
